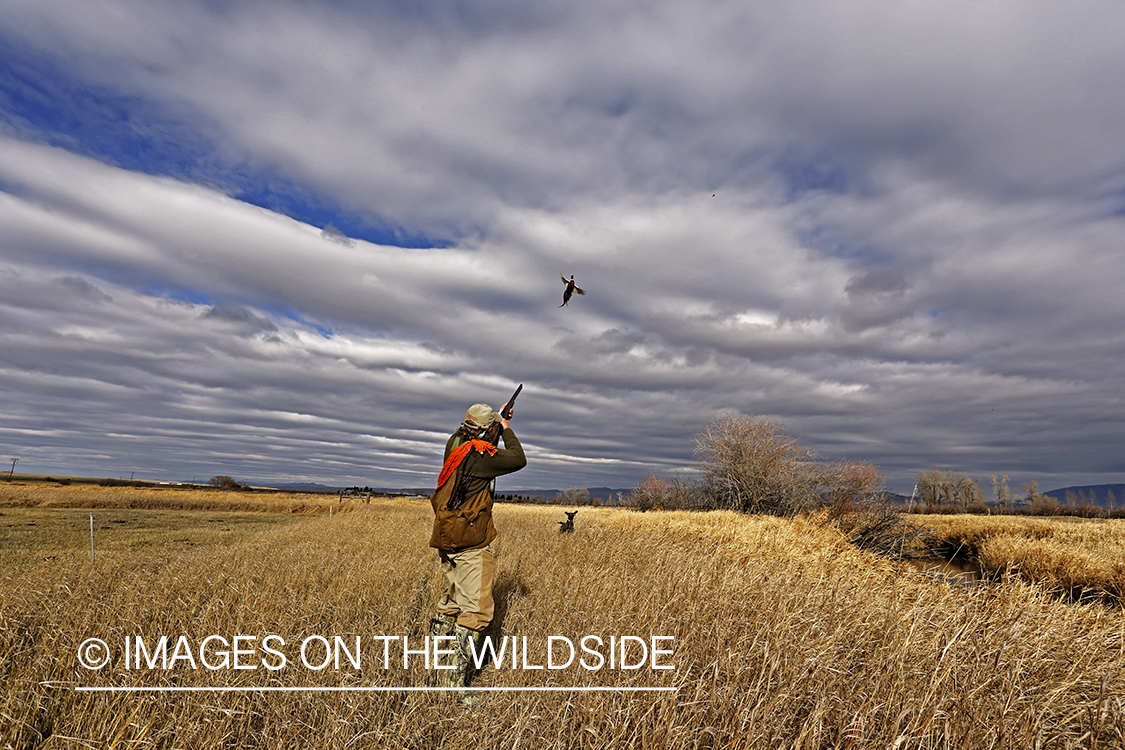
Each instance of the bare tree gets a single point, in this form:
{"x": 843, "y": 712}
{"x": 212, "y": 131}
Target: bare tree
{"x": 968, "y": 491}
{"x": 950, "y": 488}
{"x": 849, "y": 482}
{"x": 1000, "y": 491}
{"x": 750, "y": 464}
{"x": 934, "y": 487}
{"x": 576, "y": 496}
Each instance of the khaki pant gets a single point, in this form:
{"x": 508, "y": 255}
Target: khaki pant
{"x": 468, "y": 587}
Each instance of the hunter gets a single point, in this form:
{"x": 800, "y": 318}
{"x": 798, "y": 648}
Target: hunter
{"x": 463, "y": 533}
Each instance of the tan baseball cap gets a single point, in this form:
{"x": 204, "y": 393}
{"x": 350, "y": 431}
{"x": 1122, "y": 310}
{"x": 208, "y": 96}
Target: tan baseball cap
{"x": 481, "y": 415}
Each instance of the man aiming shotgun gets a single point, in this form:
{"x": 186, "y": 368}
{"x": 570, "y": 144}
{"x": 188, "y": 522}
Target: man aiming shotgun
{"x": 463, "y": 530}
{"x": 495, "y": 430}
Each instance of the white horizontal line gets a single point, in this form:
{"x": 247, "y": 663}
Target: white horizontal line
{"x": 277, "y": 689}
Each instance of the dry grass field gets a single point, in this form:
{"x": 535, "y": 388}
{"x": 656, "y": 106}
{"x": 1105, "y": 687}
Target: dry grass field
{"x": 784, "y": 635}
{"x": 171, "y": 497}
{"x": 1081, "y": 557}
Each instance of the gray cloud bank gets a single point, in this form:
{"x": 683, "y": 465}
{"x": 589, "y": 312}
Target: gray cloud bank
{"x": 897, "y": 228}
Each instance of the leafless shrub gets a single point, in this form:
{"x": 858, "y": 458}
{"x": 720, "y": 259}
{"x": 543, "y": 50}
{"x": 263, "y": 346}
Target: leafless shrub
{"x": 575, "y": 496}
{"x": 849, "y": 485}
{"x": 656, "y": 493}
{"x": 751, "y": 465}
{"x": 862, "y": 512}
{"x": 1042, "y": 505}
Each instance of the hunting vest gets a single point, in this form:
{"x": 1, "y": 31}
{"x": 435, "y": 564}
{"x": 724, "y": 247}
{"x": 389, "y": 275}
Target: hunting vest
{"x": 462, "y": 523}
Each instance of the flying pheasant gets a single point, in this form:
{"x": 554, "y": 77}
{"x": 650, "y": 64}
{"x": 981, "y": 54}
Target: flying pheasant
{"x": 570, "y": 289}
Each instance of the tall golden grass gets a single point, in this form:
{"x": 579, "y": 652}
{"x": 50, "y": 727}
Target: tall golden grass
{"x": 785, "y": 637}
{"x": 35, "y": 494}
{"x": 1083, "y": 557}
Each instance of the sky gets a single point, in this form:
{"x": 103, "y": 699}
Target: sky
{"x": 292, "y": 241}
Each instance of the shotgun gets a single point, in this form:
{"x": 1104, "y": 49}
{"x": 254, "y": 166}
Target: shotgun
{"x": 493, "y": 433}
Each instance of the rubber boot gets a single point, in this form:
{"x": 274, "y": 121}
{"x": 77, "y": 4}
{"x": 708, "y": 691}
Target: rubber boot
{"x": 464, "y": 644}
{"x": 441, "y": 624}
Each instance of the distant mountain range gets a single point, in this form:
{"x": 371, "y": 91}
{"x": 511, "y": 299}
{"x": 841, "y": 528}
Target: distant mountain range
{"x": 1086, "y": 494}
{"x": 1091, "y": 494}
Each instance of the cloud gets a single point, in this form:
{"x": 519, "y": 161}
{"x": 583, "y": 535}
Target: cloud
{"x": 239, "y": 318}
{"x": 297, "y": 239}
{"x": 332, "y": 234}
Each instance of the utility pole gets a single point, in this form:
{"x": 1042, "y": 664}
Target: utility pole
{"x": 13, "y": 471}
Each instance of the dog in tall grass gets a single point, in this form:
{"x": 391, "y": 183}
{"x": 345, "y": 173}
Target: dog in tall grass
{"x": 567, "y": 526}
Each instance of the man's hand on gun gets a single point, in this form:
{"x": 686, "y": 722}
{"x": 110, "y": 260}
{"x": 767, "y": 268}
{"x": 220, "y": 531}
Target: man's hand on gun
{"x": 493, "y": 434}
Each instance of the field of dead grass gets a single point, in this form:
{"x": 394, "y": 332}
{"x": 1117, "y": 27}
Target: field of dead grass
{"x": 1082, "y": 557}
{"x": 44, "y": 495}
{"x": 784, "y": 637}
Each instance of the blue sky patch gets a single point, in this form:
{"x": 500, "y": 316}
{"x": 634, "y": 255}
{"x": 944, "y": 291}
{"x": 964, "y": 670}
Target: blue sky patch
{"x": 42, "y": 100}
{"x": 179, "y": 294}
